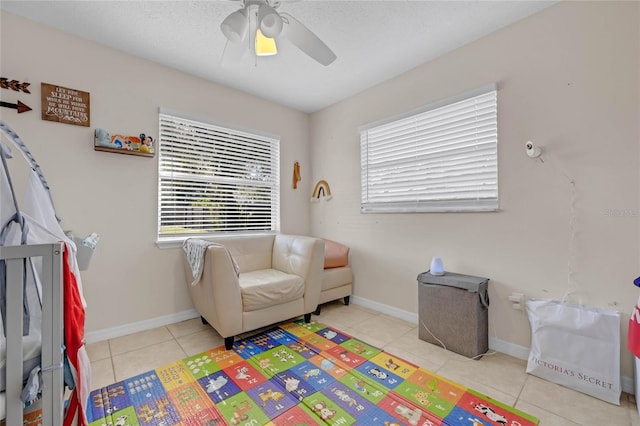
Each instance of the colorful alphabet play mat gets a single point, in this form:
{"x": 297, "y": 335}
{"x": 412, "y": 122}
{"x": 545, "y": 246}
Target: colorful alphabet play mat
{"x": 296, "y": 374}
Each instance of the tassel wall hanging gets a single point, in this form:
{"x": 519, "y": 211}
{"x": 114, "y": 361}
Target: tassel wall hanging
{"x": 296, "y": 175}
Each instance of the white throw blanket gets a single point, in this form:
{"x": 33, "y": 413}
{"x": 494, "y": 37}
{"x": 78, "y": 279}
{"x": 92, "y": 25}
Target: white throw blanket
{"x": 195, "y": 249}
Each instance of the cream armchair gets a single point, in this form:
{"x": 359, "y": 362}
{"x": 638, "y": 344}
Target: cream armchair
{"x": 276, "y": 277}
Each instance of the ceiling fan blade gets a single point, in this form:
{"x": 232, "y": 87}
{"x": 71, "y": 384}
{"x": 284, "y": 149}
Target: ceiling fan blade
{"x": 304, "y": 39}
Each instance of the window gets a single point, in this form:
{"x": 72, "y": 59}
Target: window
{"x": 443, "y": 157}
{"x": 215, "y": 180}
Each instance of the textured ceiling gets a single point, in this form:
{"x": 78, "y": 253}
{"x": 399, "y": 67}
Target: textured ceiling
{"x": 373, "y": 40}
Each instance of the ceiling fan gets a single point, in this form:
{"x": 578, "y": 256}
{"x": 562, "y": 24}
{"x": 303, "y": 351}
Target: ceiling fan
{"x": 259, "y": 23}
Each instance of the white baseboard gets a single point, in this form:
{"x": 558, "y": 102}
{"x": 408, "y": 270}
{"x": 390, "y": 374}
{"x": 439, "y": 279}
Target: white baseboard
{"x": 627, "y": 384}
{"x": 385, "y": 309}
{"x": 136, "y": 327}
{"x": 502, "y": 346}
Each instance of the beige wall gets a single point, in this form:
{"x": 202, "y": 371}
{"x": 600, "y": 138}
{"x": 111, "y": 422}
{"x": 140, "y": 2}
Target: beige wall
{"x": 568, "y": 79}
{"x": 115, "y": 195}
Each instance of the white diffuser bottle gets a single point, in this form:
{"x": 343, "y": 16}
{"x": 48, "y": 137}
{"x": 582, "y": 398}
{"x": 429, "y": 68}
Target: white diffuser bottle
{"x": 437, "y": 268}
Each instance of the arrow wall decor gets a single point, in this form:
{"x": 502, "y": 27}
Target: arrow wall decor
{"x": 19, "y": 106}
{"x": 16, "y": 85}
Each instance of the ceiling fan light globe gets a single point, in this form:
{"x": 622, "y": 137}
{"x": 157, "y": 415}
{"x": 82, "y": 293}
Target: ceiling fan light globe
{"x": 270, "y": 21}
{"x": 265, "y": 46}
{"x": 235, "y": 26}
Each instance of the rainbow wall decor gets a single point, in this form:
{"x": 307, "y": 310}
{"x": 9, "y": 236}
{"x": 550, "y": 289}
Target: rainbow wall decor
{"x": 321, "y": 190}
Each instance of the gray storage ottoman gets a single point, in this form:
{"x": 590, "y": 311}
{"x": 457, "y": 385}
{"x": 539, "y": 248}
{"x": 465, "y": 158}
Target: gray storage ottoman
{"x": 455, "y": 309}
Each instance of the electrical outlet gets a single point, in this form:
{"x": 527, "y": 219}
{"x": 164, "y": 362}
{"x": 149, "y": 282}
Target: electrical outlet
{"x": 517, "y": 301}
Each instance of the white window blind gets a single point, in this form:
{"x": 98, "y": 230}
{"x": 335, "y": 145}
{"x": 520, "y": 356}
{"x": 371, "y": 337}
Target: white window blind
{"x": 443, "y": 158}
{"x": 216, "y": 180}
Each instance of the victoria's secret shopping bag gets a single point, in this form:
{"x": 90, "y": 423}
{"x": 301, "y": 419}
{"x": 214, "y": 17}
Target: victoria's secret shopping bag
{"x": 576, "y": 346}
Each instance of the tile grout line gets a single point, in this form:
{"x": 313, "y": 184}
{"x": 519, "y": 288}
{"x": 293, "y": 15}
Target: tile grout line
{"x": 520, "y": 393}
{"x": 142, "y": 347}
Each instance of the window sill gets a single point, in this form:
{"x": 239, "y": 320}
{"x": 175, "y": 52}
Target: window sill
{"x": 170, "y": 244}
{"x": 449, "y": 206}
{"x": 177, "y": 242}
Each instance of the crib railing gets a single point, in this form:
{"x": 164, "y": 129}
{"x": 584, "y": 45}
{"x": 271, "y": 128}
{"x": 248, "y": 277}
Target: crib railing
{"x": 52, "y": 331}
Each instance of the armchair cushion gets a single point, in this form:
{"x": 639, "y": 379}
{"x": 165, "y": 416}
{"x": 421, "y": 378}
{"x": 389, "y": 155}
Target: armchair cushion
{"x": 251, "y": 253}
{"x": 336, "y": 255}
{"x": 336, "y": 277}
{"x": 293, "y": 255}
{"x": 269, "y": 287}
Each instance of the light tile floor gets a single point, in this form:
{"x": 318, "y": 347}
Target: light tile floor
{"x": 499, "y": 376}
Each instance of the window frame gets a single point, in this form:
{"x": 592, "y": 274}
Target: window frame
{"x": 165, "y": 240}
{"x": 387, "y": 169}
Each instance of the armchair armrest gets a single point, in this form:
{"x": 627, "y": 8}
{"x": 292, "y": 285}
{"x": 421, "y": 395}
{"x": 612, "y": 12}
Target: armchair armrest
{"x": 217, "y": 295}
{"x": 302, "y": 256}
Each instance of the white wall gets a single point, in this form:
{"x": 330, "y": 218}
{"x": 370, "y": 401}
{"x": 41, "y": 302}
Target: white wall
{"x": 115, "y": 195}
{"x": 568, "y": 79}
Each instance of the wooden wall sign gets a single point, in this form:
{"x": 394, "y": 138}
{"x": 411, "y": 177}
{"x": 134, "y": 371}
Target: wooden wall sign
{"x": 65, "y": 105}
